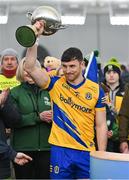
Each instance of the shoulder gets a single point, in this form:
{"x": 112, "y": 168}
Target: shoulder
{"x": 127, "y": 86}
{"x": 95, "y": 87}
{"x": 16, "y": 89}
{"x": 53, "y": 81}
{"x": 2, "y": 77}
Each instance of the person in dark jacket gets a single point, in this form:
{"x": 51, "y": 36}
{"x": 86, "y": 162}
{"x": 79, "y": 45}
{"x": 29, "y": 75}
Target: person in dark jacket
{"x": 112, "y": 73}
{"x": 9, "y": 117}
{"x": 31, "y": 136}
{"x": 124, "y": 122}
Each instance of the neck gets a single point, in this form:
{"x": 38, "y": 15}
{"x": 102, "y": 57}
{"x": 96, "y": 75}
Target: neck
{"x": 77, "y": 80}
{"x": 9, "y": 73}
{"x": 113, "y": 86}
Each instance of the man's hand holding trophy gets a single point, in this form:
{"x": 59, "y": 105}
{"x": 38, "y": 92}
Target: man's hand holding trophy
{"x": 40, "y": 27}
{"x": 45, "y": 20}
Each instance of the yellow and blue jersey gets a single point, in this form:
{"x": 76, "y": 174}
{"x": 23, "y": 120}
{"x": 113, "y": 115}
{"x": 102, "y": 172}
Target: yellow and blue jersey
{"x": 74, "y": 110}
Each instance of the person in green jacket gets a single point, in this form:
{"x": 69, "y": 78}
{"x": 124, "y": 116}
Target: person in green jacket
{"x": 31, "y": 135}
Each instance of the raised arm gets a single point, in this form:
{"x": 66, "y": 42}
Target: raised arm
{"x": 40, "y": 76}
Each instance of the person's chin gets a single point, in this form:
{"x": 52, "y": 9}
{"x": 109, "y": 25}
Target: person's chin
{"x": 31, "y": 82}
{"x": 9, "y": 69}
{"x": 112, "y": 82}
{"x": 70, "y": 79}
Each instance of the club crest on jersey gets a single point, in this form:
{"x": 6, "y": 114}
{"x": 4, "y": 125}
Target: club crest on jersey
{"x": 88, "y": 96}
{"x": 56, "y": 169}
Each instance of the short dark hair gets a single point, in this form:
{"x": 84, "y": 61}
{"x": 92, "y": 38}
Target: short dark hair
{"x": 72, "y": 54}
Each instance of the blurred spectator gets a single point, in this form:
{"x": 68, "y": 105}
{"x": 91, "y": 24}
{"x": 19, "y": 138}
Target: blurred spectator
{"x": 113, "y": 99}
{"x": 124, "y": 74}
{"x": 31, "y": 136}
{"x": 124, "y": 123}
{"x": 9, "y": 117}
{"x": 9, "y": 63}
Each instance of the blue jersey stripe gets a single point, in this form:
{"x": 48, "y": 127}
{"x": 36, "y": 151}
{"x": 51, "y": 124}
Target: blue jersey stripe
{"x": 99, "y": 102}
{"x": 64, "y": 123}
{"x": 53, "y": 79}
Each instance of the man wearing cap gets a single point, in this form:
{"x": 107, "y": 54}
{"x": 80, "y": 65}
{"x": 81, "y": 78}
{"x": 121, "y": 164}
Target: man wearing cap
{"x": 9, "y": 63}
{"x": 113, "y": 100}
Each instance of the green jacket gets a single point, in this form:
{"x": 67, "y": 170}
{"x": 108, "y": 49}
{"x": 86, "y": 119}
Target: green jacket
{"x": 32, "y": 133}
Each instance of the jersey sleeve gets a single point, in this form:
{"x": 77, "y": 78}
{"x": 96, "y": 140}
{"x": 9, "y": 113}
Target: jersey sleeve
{"x": 52, "y": 80}
{"x": 99, "y": 103}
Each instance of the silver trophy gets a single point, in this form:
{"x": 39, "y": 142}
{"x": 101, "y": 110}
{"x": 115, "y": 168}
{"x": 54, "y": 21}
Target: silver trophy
{"x": 26, "y": 35}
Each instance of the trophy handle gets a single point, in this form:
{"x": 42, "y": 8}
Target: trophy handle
{"x": 57, "y": 27}
{"x": 29, "y": 15}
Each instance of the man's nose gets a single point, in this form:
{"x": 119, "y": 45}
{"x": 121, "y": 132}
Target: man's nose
{"x": 68, "y": 70}
{"x": 111, "y": 73}
{"x": 9, "y": 61}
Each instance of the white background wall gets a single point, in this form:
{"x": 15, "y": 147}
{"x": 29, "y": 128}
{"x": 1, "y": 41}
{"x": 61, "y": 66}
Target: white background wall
{"x": 97, "y": 33}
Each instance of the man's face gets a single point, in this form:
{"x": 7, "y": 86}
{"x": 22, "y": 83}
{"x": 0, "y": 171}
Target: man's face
{"x": 112, "y": 77}
{"x": 9, "y": 63}
{"x": 72, "y": 70}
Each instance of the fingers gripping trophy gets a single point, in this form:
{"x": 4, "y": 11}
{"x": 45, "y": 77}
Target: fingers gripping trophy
{"x": 27, "y": 35}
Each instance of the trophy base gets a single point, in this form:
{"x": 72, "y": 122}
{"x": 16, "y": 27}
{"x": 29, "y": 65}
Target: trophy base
{"x": 25, "y": 36}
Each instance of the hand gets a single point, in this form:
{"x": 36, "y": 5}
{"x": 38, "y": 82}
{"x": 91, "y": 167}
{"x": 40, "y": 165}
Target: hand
{"x": 124, "y": 147}
{"x": 109, "y": 134}
{"x": 22, "y": 159}
{"x": 8, "y": 132}
{"x": 3, "y": 96}
{"x": 105, "y": 99}
{"x": 46, "y": 116}
{"x": 39, "y": 26}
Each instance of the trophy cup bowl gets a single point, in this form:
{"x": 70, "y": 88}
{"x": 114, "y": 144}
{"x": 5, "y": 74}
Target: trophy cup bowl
{"x": 26, "y": 35}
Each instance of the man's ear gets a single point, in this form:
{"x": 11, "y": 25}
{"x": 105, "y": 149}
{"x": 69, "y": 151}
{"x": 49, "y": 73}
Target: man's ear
{"x": 83, "y": 63}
